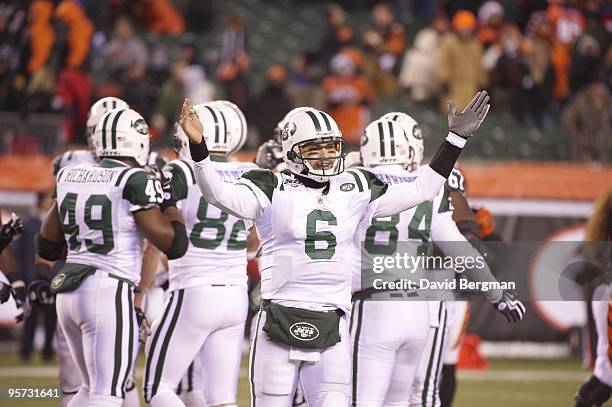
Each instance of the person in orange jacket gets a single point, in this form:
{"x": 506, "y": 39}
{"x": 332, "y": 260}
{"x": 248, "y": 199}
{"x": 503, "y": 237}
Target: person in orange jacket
{"x": 80, "y": 31}
{"x": 348, "y": 96}
{"x": 41, "y": 33}
{"x": 161, "y": 17}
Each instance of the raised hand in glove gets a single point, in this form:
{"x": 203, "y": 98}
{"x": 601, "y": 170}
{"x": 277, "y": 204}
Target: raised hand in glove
{"x": 269, "y": 155}
{"x": 39, "y": 292}
{"x": 510, "y": 307}
{"x": 143, "y": 326}
{"x": 469, "y": 120}
{"x": 9, "y": 230}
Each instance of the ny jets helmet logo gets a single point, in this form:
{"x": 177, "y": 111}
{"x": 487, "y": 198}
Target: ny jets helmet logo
{"x": 417, "y": 133}
{"x": 364, "y": 139}
{"x": 141, "y": 127}
{"x": 289, "y": 130}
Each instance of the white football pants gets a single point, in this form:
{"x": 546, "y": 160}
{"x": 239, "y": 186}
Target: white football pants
{"x": 99, "y": 323}
{"x": 456, "y": 329}
{"x": 388, "y": 340}
{"x": 210, "y": 318}
{"x": 274, "y": 376}
{"x": 425, "y": 390}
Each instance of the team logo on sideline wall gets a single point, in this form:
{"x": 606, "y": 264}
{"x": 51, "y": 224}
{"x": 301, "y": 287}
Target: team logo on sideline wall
{"x": 347, "y": 186}
{"x": 304, "y": 331}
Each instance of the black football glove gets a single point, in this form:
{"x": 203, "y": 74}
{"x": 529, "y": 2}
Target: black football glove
{"x": 9, "y": 230}
{"x": 510, "y": 307}
{"x": 19, "y": 292}
{"x": 466, "y": 123}
{"x": 143, "y": 326}
{"x": 593, "y": 393}
{"x": 5, "y": 292}
{"x": 39, "y": 292}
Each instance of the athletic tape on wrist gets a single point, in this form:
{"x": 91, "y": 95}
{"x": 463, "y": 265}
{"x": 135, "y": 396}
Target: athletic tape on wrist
{"x": 456, "y": 139}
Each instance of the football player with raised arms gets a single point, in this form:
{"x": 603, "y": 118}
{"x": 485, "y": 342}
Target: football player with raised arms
{"x": 306, "y": 218}
{"x": 386, "y": 352}
{"x": 205, "y": 314}
{"x": 97, "y": 222}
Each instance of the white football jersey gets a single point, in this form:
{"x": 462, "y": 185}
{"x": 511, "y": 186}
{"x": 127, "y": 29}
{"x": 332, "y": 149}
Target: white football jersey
{"x": 72, "y": 157}
{"x": 307, "y": 234}
{"x": 95, "y": 203}
{"x": 217, "y": 240}
{"x": 380, "y": 236}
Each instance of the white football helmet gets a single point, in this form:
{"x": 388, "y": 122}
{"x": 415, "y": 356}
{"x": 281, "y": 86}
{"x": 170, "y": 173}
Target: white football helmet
{"x": 281, "y": 125}
{"x": 235, "y": 124}
{"x": 385, "y": 142}
{"x": 123, "y": 133}
{"x": 98, "y": 109}
{"x": 305, "y": 130}
{"x": 415, "y": 136}
{"x": 223, "y": 131}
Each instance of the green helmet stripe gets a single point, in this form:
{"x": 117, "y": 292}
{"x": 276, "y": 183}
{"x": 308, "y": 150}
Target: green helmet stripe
{"x": 214, "y": 115}
{"x": 314, "y": 120}
{"x": 114, "y": 129}
{"x": 326, "y": 120}
{"x": 391, "y": 139}
{"x": 381, "y": 139}
{"x": 224, "y": 126}
{"x": 104, "y": 130}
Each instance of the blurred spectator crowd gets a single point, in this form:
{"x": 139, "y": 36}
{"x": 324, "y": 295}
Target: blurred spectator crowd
{"x": 544, "y": 61}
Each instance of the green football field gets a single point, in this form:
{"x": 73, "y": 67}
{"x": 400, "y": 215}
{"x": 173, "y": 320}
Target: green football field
{"x": 524, "y": 383}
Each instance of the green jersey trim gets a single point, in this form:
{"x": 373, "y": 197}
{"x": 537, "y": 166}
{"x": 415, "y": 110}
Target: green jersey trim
{"x": 357, "y": 180}
{"x": 134, "y": 190}
{"x": 445, "y": 204}
{"x": 265, "y": 180}
{"x": 179, "y": 182}
{"x": 377, "y": 187}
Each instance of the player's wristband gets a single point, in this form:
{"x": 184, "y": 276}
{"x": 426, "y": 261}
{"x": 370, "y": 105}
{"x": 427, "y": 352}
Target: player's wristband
{"x": 445, "y": 158}
{"x": 456, "y": 139}
{"x": 198, "y": 152}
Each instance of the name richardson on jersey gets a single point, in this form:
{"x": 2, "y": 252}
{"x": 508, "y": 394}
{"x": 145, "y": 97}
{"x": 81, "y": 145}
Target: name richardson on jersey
{"x": 89, "y": 175}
